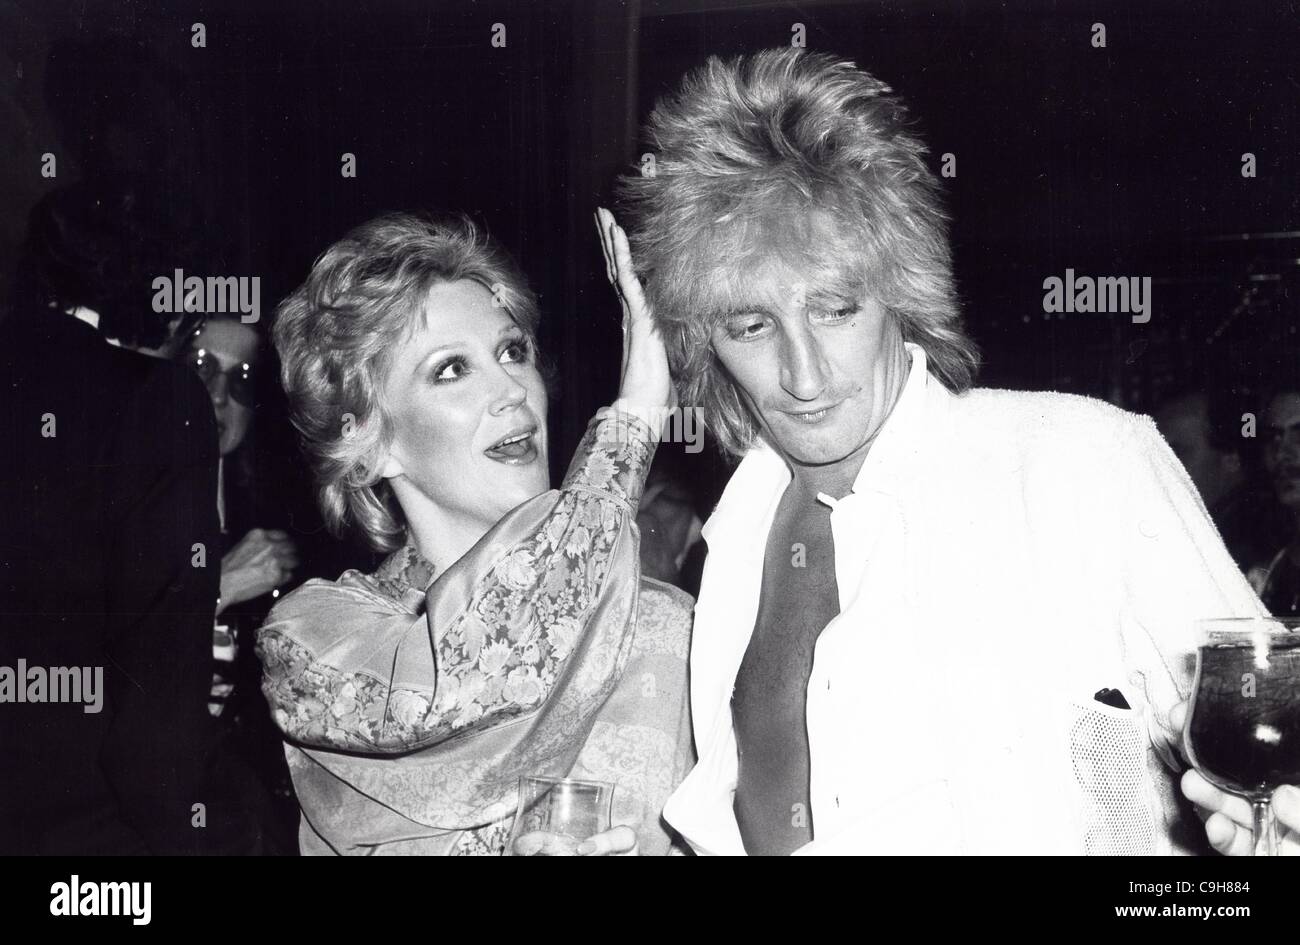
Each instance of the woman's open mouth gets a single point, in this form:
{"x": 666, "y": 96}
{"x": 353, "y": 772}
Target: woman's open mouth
{"x": 518, "y": 449}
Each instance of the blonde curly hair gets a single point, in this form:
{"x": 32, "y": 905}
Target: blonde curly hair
{"x": 335, "y": 336}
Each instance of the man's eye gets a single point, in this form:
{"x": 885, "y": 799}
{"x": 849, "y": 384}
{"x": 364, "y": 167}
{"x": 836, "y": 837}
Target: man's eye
{"x": 840, "y": 313}
{"x": 452, "y": 370}
{"x": 744, "y": 328}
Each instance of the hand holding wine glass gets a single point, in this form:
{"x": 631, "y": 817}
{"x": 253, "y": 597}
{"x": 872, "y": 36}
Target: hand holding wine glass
{"x": 1228, "y": 817}
{"x": 1241, "y": 732}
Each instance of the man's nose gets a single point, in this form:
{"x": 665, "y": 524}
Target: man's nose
{"x": 803, "y": 365}
{"x": 219, "y": 389}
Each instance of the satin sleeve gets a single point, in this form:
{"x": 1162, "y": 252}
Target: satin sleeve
{"x": 348, "y": 668}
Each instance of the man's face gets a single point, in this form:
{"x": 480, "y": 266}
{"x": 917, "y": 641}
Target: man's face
{"x": 225, "y": 355}
{"x": 1185, "y": 425}
{"x": 820, "y": 372}
{"x": 1282, "y": 447}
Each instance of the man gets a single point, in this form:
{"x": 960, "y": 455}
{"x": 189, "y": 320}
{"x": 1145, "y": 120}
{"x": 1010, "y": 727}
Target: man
{"x": 109, "y": 562}
{"x": 932, "y": 619}
{"x": 1204, "y": 430}
{"x": 1278, "y": 578}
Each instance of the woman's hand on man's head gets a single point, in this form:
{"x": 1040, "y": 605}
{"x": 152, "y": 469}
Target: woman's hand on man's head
{"x": 646, "y": 383}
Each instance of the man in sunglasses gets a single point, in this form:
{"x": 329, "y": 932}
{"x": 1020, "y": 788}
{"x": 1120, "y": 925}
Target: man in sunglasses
{"x": 225, "y": 354}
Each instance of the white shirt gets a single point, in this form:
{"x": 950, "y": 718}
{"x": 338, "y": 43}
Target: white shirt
{"x": 1001, "y": 558}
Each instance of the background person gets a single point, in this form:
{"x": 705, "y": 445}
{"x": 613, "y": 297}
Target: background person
{"x": 109, "y": 490}
{"x": 257, "y": 561}
{"x": 1277, "y": 579}
{"x": 1204, "y": 429}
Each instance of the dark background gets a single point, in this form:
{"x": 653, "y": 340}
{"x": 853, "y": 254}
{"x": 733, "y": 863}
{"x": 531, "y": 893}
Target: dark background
{"x": 1122, "y": 161}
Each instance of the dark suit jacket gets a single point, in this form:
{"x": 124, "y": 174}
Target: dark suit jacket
{"x": 101, "y": 529}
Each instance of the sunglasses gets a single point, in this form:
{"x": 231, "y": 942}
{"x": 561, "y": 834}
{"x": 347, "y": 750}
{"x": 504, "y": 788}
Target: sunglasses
{"x": 240, "y": 379}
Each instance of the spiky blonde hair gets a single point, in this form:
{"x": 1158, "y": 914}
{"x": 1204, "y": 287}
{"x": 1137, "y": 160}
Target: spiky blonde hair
{"x": 802, "y": 159}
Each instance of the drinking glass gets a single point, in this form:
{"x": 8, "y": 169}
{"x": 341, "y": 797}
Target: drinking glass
{"x": 554, "y": 815}
{"x": 1243, "y": 726}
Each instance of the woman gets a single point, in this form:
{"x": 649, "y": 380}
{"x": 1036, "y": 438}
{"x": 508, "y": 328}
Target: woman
{"x": 508, "y": 633}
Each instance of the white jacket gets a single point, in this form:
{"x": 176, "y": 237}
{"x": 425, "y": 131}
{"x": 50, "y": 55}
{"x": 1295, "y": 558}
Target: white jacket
{"x": 1002, "y": 557}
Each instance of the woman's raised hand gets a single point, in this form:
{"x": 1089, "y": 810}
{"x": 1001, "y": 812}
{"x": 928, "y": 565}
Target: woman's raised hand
{"x": 645, "y": 384}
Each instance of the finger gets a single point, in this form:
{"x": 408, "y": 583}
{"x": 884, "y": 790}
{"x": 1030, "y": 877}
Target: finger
{"x": 605, "y": 248}
{"x": 619, "y": 840}
{"x": 261, "y": 557}
{"x": 1204, "y": 794}
{"x": 1228, "y": 838}
{"x": 604, "y": 252}
{"x": 611, "y": 235}
{"x": 1286, "y": 807}
{"x": 628, "y": 283}
{"x": 544, "y": 843}
{"x": 1177, "y": 719}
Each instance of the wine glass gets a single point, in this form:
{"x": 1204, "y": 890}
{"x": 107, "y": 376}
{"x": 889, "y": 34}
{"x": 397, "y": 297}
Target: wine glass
{"x": 1243, "y": 726}
{"x": 554, "y": 815}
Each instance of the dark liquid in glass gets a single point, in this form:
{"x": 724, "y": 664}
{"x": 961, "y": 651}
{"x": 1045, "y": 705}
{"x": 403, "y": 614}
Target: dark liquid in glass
{"x": 1247, "y": 744}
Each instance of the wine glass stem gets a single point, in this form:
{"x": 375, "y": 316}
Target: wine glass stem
{"x": 1265, "y": 829}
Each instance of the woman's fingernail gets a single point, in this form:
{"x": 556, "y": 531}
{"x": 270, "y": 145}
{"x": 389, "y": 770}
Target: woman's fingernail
{"x": 585, "y": 848}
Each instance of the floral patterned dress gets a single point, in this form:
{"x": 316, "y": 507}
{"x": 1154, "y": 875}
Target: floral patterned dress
{"x": 411, "y": 702}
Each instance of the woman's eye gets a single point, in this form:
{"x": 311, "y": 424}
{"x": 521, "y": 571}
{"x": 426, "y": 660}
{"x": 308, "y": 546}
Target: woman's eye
{"x": 450, "y": 371}
{"x": 516, "y": 352}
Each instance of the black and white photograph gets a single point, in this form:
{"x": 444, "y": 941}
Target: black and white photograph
{"x": 651, "y": 428}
